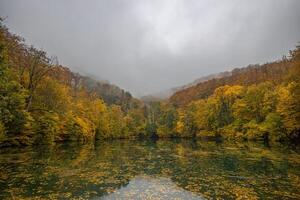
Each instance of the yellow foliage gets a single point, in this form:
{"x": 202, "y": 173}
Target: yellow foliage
{"x": 53, "y": 96}
{"x": 179, "y": 128}
{"x": 289, "y": 106}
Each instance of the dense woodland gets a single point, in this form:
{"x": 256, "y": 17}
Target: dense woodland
{"x": 259, "y": 102}
{"x": 42, "y": 102}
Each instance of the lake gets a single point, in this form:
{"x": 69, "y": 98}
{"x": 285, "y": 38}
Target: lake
{"x": 162, "y": 169}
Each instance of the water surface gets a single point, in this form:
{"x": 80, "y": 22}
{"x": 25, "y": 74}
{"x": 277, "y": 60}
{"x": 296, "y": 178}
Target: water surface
{"x": 163, "y": 169}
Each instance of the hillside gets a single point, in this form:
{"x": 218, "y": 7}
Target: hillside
{"x": 42, "y": 102}
{"x": 19, "y": 58}
{"x": 111, "y": 94}
{"x": 253, "y": 74}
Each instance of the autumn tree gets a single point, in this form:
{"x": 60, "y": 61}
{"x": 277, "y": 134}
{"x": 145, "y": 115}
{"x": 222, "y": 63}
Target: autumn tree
{"x": 14, "y": 120}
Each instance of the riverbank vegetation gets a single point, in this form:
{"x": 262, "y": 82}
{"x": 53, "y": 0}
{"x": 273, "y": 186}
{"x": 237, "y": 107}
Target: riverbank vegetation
{"x": 253, "y": 103}
{"x": 44, "y": 102}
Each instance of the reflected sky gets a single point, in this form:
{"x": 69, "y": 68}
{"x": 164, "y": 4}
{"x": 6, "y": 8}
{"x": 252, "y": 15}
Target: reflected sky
{"x": 145, "y": 187}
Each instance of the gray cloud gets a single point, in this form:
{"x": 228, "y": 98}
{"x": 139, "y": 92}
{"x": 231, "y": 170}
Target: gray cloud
{"x": 151, "y": 45}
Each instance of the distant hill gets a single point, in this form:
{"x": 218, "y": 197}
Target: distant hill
{"x": 111, "y": 94}
{"x": 165, "y": 94}
{"x": 253, "y": 74}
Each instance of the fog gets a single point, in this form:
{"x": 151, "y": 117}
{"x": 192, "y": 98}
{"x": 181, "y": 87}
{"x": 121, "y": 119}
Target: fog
{"x": 146, "y": 46}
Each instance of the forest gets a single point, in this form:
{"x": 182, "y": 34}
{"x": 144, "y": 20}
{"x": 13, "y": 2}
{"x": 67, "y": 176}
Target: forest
{"x": 42, "y": 102}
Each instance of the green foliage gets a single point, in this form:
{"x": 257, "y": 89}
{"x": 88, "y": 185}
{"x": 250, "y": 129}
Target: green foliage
{"x": 135, "y": 123}
{"x": 166, "y": 123}
{"x": 150, "y": 129}
{"x": 116, "y": 122}
{"x": 13, "y": 115}
{"x": 273, "y": 127}
{"x": 46, "y": 128}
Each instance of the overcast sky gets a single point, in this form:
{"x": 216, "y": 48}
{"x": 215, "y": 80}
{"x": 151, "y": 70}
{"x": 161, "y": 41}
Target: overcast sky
{"x": 146, "y": 46}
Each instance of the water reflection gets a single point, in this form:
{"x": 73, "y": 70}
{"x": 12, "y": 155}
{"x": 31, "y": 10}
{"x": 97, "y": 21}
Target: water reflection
{"x": 182, "y": 169}
{"x": 145, "y": 187}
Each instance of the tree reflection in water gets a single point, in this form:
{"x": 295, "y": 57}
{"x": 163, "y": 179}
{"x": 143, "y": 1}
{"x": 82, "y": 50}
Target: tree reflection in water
{"x": 183, "y": 169}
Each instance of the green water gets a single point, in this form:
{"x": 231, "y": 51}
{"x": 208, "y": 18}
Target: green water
{"x": 164, "y": 169}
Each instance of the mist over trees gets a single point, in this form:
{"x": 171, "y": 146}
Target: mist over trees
{"x": 42, "y": 102}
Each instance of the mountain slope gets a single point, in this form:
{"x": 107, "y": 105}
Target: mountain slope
{"x": 252, "y": 74}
